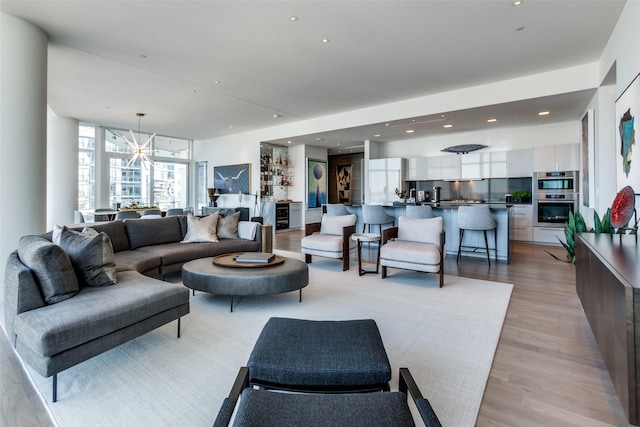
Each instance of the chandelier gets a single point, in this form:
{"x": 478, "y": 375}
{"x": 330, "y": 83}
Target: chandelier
{"x": 136, "y": 149}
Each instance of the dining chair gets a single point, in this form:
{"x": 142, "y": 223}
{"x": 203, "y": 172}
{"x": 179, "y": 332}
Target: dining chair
{"x": 127, "y": 215}
{"x": 151, "y": 212}
{"x": 97, "y": 217}
{"x": 175, "y": 211}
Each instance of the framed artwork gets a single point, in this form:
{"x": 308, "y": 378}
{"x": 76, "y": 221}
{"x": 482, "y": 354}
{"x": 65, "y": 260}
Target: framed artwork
{"x": 316, "y": 183}
{"x": 343, "y": 180}
{"x": 627, "y": 150}
{"x": 232, "y": 178}
{"x": 588, "y": 162}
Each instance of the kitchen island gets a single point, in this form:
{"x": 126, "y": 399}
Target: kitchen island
{"x": 449, "y": 211}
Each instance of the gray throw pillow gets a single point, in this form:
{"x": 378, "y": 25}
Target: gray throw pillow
{"x": 228, "y": 226}
{"x": 51, "y": 266}
{"x": 91, "y": 256}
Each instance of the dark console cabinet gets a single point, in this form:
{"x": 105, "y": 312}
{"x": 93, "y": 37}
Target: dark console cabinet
{"x": 608, "y": 285}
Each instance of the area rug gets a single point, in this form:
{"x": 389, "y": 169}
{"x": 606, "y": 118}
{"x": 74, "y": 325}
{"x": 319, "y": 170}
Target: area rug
{"x": 446, "y": 337}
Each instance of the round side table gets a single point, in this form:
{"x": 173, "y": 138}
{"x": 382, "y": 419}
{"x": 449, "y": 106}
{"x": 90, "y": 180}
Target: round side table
{"x": 366, "y": 237}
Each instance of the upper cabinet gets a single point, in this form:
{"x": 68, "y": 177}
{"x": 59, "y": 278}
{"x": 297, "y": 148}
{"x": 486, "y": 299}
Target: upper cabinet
{"x": 519, "y": 163}
{"x": 551, "y": 158}
{"x": 471, "y": 166}
{"x": 494, "y": 164}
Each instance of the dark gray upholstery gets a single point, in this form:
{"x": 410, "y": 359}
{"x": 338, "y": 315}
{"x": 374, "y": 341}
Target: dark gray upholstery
{"x": 179, "y": 253}
{"x": 152, "y": 232}
{"x": 96, "y": 312}
{"x": 52, "y": 267}
{"x": 92, "y": 257}
{"x": 264, "y": 408}
{"x": 116, "y": 232}
{"x": 307, "y": 354}
{"x": 138, "y": 260}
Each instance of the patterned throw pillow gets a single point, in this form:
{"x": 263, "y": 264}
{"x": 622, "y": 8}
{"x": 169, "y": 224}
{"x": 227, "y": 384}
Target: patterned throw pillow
{"x": 201, "y": 229}
{"x": 91, "y": 256}
{"x": 51, "y": 266}
{"x": 228, "y": 226}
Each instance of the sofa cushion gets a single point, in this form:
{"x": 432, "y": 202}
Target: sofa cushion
{"x": 155, "y": 231}
{"x": 91, "y": 256}
{"x": 177, "y": 253}
{"x": 51, "y": 266}
{"x": 333, "y": 224}
{"x": 411, "y": 252}
{"x": 143, "y": 262}
{"x": 247, "y": 230}
{"x": 116, "y": 232}
{"x": 424, "y": 230}
{"x": 97, "y": 311}
{"x": 228, "y": 226}
{"x": 201, "y": 229}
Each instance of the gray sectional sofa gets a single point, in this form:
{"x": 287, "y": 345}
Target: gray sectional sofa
{"x": 55, "y": 332}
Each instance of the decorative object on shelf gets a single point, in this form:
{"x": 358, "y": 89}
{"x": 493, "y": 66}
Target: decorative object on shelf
{"x": 463, "y": 148}
{"x": 343, "y": 179}
{"x": 623, "y": 208}
{"x": 232, "y": 178}
{"x": 316, "y": 183}
{"x": 213, "y": 196}
{"x": 402, "y": 194}
{"x": 137, "y": 150}
{"x": 628, "y": 158}
{"x": 588, "y": 159}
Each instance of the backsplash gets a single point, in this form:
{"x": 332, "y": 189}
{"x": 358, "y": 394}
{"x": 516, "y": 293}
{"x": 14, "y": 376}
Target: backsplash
{"x": 490, "y": 190}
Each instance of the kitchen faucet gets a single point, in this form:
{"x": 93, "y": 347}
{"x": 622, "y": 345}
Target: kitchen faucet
{"x": 412, "y": 193}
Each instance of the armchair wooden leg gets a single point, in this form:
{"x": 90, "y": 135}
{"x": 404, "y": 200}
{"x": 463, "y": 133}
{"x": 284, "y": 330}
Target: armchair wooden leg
{"x": 441, "y": 276}
{"x": 345, "y": 262}
{"x": 307, "y": 258}
{"x": 384, "y": 271}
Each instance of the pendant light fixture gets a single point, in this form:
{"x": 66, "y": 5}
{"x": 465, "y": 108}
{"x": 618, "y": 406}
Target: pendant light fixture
{"x": 463, "y": 149}
{"x": 136, "y": 149}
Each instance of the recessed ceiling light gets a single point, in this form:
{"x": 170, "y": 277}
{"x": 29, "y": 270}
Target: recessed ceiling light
{"x": 216, "y": 82}
{"x": 517, "y": 2}
{"x": 293, "y": 18}
{"x": 338, "y": 143}
{"x": 325, "y": 40}
{"x": 193, "y": 91}
{"x": 288, "y": 142}
{"x": 386, "y": 124}
{"x": 492, "y": 120}
{"x": 230, "y": 126}
{"x": 319, "y": 139}
{"x": 447, "y": 126}
{"x": 410, "y": 131}
{"x": 275, "y": 116}
{"x": 543, "y": 113}
{"x": 377, "y": 135}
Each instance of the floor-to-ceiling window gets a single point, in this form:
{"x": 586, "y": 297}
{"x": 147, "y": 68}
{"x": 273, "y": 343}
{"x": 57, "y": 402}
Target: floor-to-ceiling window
{"x": 163, "y": 182}
{"x": 86, "y": 168}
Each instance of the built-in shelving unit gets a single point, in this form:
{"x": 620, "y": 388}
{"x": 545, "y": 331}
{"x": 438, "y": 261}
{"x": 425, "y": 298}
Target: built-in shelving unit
{"x": 276, "y": 172}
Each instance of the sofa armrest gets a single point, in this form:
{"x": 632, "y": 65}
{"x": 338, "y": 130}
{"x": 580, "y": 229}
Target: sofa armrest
{"x": 311, "y": 228}
{"x": 388, "y": 234}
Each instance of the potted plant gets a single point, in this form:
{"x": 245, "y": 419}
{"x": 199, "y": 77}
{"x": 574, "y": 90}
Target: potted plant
{"x": 521, "y": 196}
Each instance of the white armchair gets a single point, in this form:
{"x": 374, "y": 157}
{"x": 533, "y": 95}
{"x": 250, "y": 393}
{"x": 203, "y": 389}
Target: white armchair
{"x": 330, "y": 238}
{"x": 418, "y": 245}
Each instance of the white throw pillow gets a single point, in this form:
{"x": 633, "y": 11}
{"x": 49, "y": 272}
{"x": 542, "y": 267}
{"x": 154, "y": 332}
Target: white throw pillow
{"x": 247, "y": 229}
{"x": 201, "y": 229}
{"x": 423, "y": 230}
{"x": 333, "y": 224}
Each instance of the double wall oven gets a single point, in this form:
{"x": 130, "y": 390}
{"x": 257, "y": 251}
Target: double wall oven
{"x": 555, "y": 195}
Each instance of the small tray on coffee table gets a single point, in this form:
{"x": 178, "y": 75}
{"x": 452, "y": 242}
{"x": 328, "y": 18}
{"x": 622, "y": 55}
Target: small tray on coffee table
{"x": 229, "y": 260}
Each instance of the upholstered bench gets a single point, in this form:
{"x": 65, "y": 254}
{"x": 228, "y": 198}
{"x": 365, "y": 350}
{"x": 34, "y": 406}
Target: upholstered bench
{"x": 313, "y": 355}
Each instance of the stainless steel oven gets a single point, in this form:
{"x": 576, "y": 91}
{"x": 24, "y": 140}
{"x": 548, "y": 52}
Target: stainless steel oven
{"x": 555, "y": 196}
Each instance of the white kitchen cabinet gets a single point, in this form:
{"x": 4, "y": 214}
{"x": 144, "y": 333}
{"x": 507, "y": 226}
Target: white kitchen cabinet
{"x": 412, "y": 169}
{"x": 433, "y": 169}
{"x": 522, "y": 223}
{"x": 450, "y": 166}
{"x": 295, "y": 215}
{"x": 548, "y": 235}
{"x": 519, "y": 163}
{"x": 471, "y": 166}
{"x": 494, "y": 164}
{"x": 551, "y": 158}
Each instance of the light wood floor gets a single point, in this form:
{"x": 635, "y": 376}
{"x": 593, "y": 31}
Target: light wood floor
{"x": 547, "y": 369}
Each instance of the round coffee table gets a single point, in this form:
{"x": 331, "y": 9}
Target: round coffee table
{"x": 203, "y": 275}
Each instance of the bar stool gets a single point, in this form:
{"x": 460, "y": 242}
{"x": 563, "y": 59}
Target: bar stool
{"x": 477, "y": 218}
{"x": 375, "y": 215}
{"x": 419, "y": 212}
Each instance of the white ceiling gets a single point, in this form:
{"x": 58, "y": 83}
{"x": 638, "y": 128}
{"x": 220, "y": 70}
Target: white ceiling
{"x": 109, "y": 60}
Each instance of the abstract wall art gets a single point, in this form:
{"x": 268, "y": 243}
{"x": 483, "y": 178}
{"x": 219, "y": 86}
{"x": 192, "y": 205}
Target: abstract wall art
{"x": 627, "y": 150}
{"x": 343, "y": 180}
{"x": 316, "y": 183}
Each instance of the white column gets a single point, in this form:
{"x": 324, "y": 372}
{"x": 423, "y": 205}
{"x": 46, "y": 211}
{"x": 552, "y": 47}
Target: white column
{"x": 62, "y": 169}
{"x": 23, "y": 132}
